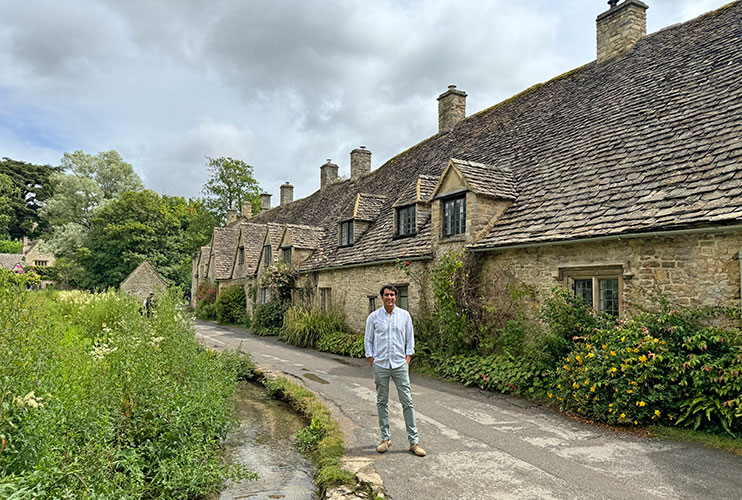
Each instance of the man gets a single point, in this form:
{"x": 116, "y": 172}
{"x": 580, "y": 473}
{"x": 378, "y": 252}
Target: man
{"x": 390, "y": 343}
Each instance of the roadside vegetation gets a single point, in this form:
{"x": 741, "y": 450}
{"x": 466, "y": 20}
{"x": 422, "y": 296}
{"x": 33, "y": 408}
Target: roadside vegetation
{"x": 100, "y": 400}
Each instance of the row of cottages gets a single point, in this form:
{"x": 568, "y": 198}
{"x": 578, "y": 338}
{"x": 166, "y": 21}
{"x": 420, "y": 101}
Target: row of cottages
{"x": 617, "y": 179}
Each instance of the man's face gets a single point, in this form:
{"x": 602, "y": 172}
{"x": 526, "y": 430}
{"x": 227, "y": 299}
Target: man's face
{"x": 389, "y": 297}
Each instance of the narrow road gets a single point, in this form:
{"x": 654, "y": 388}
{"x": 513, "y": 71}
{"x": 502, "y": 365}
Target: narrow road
{"x": 488, "y": 446}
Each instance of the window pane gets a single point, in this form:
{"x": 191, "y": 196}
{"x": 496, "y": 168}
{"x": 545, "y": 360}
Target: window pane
{"x": 608, "y": 289}
{"x": 584, "y": 289}
{"x": 402, "y": 299}
{"x": 448, "y": 217}
{"x": 371, "y": 303}
{"x": 287, "y": 255}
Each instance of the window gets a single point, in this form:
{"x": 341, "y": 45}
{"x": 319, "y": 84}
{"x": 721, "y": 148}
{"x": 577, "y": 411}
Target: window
{"x": 241, "y": 256}
{"x": 454, "y": 216}
{"x": 41, "y": 263}
{"x": 346, "y": 233}
{"x": 371, "y": 303}
{"x": 406, "y": 221}
{"x": 402, "y": 297}
{"x": 263, "y": 295}
{"x": 325, "y": 295}
{"x": 599, "y": 288}
{"x": 287, "y": 255}
{"x": 267, "y": 257}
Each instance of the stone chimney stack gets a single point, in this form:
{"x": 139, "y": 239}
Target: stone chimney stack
{"x": 328, "y": 174}
{"x": 287, "y": 193}
{"x": 620, "y": 27}
{"x": 247, "y": 209}
{"x": 231, "y": 216}
{"x": 360, "y": 162}
{"x": 451, "y": 108}
{"x": 265, "y": 202}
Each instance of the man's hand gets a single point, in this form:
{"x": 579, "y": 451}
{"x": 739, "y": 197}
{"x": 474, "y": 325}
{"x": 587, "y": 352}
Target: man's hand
{"x": 372, "y": 361}
{"x": 408, "y": 359}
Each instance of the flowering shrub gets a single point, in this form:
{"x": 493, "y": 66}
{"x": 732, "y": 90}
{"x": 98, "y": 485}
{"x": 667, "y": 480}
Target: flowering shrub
{"x": 206, "y": 293}
{"x": 279, "y": 279}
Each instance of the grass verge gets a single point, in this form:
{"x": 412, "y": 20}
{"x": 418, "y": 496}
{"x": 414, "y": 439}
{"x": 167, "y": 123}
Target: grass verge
{"x": 718, "y": 441}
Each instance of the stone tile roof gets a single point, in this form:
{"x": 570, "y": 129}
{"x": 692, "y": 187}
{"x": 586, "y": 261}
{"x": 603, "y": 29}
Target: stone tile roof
{"x": 365, "y": 207}
{"x": 305, "y": 237}
{"x": 487, "y": 180}
{"x": 10, "y": 260}
{"x": 650, "y": 140}
{"x": 275, "y": 233}
{"x": 251, "y": 238}
{"x": 418, "y": 191}
{"x": 224, "y": 247}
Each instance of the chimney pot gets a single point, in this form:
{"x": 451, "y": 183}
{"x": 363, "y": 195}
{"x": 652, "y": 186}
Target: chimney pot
{"x": 451, "y": 108}
{"x": 360, "y": 162}
{"x": 620, "y": 27}
{"x": 287, "y": 193}
{"x": 328, "y": 174}
{"x": 265, "y": 202}
{"x": 231, "y": 216}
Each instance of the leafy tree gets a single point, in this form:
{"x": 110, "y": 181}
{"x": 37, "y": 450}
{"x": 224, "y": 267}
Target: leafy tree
{"x": 231, "y": 183}
{"x": 23, "y": 189}
{"x": 85, "y": 183}
{"x": 137, "y": 226}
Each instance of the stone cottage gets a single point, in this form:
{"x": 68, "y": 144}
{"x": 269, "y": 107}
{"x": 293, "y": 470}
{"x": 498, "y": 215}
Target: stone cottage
{"x": 615, "y": 180}
{"x": 143, "y": 281}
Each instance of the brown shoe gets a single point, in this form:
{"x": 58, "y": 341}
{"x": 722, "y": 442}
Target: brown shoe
{"x": 383, "y": 446}
{"x": 417, "y": 450}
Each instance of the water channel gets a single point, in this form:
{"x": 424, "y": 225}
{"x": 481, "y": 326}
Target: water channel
{"x": 264, "y": 443}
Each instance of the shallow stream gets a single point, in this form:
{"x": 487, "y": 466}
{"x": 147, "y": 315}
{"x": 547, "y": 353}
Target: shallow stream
{"x": 264, "y": 443}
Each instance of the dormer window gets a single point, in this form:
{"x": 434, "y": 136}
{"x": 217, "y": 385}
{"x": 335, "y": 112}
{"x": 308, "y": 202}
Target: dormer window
{"x": 241, "y": 256}
{"x": 406, "y": 221}
{"x": 454, "y": 215}
{"x": 346, "y": 233}
{"x": 287, "y": 255}
{"x": 267, "y": 257}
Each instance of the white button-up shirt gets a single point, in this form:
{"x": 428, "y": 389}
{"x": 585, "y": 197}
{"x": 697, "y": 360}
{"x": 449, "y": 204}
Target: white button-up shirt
{"x": 389, "y": 337}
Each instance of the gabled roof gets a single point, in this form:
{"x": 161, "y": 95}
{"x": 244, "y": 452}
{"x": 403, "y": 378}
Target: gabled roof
{"x": 143, "y": 271}
{"x": 224, "y": 246}
{"x": 648, "y": 141}
{"x": 365, "y": 207}
{"x": 419, "y": 191}
{"x": 251, "y": 238}
{"x": 302, "y": 237}
{"x": 273, "y": 237}
{"x": 481, "y": 179}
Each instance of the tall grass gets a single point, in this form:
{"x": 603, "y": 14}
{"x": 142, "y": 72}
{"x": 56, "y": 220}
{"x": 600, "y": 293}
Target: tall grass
{"x": 304, "y": 327}
{"x": 100, "y": 401}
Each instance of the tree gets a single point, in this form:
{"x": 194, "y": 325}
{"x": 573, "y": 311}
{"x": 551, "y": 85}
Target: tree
{"x": 231, "y": 183}
{"x": 137, "y": 226}
{"x": 84, "y": 183}
{"x": 23, "y": 189}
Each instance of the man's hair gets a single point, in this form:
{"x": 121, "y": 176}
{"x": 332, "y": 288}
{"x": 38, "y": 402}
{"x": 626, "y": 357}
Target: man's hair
{"x": 388, "y": 287}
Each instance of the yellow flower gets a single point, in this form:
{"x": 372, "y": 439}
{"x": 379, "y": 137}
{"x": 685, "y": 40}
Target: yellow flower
{"x": 610, "y": 404}
{"x": 623, "y": 338}
{"x": 579, "y": 359}
{"x": 636, "y": 423}
{"x": 642, "y": 403}
{"x": 613, "y": 369}
{"x": 610, "y": 410}
{"x": 633, "y": 382}
{"x": 636, "y": 349}
{"x": 623, "y": 415}
{"x": 629, "y": 391}
{"x": 591, "y": 355}
{"x": 549, "y": 394}
{"x": 613, "y": 353}
{"x": 657, "y": 412}
{"x": 566, "y": 367}
{"x": 605, "y": 346}
{"x": 643, "y": 358}
{"x": 592, "y": 389}
{"x": 575, "y": 385}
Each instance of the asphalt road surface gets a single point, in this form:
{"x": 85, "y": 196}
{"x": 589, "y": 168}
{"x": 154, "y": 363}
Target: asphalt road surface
{"x": 483, "y": 445}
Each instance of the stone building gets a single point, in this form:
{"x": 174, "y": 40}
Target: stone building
{"x": 615, "y": 180}
{"x": 143, "y": 281}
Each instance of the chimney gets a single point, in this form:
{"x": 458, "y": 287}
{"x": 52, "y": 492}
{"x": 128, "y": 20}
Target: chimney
{"x": 265, "y": 202}
{"x": 247, "y": 209}
{"x": 287, "y": 193}
{"x": 360, "y": 162}
{"x": 231, "y": 216}
{"x": 620, "y": 27}
{"x": 328, "y": 174}
{"x": 451, "y": 108}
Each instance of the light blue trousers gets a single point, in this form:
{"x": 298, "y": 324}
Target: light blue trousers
{"x": 401, "y": 377}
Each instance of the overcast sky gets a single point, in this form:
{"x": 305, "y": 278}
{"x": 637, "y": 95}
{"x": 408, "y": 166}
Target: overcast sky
{"x": 282, "y": 85}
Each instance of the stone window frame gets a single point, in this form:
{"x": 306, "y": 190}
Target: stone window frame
{"x": 346, "y": 238}
{"x": 447, "y": 201}
{"x": 267, "y": 255}
{"x": 287, "y": 255}
{"x": 41, "y": 263}
{"x": 403, "y": 297}
{"x": 411, "y": 226}
{"x": 596, "y": 273}
{"x": 325, "y": 294}
{"x": 372, "y": 303}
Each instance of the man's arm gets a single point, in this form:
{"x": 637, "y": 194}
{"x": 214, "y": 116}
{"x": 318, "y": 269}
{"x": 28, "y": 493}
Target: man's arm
{"x": 368, "y": 339}
{"x": 409, "y": 338}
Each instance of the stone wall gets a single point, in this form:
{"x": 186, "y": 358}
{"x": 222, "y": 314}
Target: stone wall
{"x": 352, "y": 287}
{"x": 690, "y": 270}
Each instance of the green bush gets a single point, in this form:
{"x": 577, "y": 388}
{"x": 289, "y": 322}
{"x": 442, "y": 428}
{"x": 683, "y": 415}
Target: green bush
{"x": 206, "y": 311}
{"x": 231, "y": 306}
{"x": 268, "y": 318}
{"x": 11, "y": 246}
{"x": 345, "y": 344}
{"x": 100, "y": 401}
{"x": 304, "y": 327}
